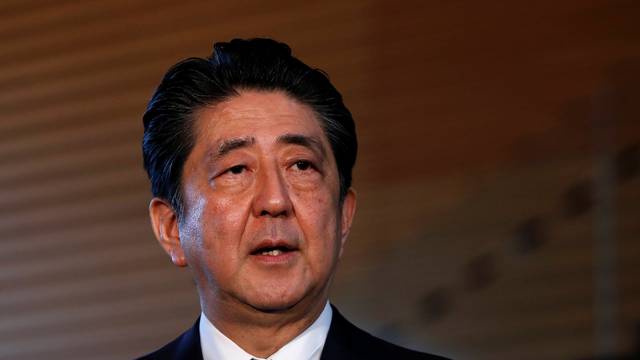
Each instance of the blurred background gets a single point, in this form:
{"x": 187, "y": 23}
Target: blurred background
{"x": 498, "y": 176}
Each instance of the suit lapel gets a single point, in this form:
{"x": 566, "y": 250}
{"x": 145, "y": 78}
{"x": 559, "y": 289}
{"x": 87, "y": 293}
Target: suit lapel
{"x": 338, "y": 345}
{"x": 188, "y": 345}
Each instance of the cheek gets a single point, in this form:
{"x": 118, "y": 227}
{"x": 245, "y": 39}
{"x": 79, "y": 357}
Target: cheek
{"x": 317, "y": 216}
{"x": 212, "y": 230}
{"x": 223, "y": 224}
{"x": 190, "y": 224}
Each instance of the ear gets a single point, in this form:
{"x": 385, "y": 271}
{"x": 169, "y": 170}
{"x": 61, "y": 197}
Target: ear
{"x": 348, "y": 211}
{"x": 165, "y": 226}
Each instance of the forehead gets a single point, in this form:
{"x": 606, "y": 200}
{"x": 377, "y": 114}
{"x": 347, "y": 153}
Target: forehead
{"x": 263, "y": 115}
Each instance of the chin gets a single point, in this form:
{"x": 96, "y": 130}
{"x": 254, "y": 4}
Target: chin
{"x": 272, "y": 300}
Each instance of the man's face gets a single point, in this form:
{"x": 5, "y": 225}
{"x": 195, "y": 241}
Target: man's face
{"x": 263, "y": 225}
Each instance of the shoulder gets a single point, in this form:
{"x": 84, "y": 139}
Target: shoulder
{"x": 185, "y": 346}
{"x": 347, "y": 341}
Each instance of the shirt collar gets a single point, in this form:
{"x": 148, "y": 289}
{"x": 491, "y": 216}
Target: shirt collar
{"x": 306, "y": 346}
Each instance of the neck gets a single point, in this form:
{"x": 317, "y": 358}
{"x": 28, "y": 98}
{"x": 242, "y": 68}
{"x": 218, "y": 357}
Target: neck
{"x": 262, "y": 333}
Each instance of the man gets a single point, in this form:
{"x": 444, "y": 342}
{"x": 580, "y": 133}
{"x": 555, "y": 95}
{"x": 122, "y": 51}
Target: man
{"x": 250, "y": 154}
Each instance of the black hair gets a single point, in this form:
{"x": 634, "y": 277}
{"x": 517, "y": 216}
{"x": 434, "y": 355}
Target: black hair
{"x": 260, "y": 64}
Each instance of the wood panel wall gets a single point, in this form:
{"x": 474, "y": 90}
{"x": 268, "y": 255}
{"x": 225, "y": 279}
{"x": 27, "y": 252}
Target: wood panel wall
{"x": 475, "y": 230}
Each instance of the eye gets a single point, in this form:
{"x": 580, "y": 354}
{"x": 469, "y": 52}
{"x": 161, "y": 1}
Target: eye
{"x": 303, "y": 165}
{"x": 236, "y": 170}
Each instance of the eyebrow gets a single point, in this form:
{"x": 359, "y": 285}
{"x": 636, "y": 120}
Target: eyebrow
{"x": 228, "y": 145}
{"x": 310, "y": 142}
{"x": 232, "y": 144}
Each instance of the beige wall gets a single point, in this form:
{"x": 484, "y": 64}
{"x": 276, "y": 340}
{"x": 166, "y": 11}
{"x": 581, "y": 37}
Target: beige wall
{"x": 474, "y": 119}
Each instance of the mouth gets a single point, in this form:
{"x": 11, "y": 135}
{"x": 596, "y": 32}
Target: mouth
{"x": 271, "y": 251}
{"x": 274, "y": 251}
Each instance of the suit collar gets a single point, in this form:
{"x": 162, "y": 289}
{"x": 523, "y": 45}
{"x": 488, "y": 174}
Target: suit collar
{"x": 337, "y": 346}
{"x": 188, "y": 346}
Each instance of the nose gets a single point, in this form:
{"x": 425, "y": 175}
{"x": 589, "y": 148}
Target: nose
{"x": 271, "y": 196}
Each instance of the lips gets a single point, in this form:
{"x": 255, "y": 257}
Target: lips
{"x": 277, "y": 253}
{"x": 273, "y": 248}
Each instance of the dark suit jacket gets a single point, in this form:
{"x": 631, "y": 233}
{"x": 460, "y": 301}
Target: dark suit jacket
{"x": 344, "y": 341}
